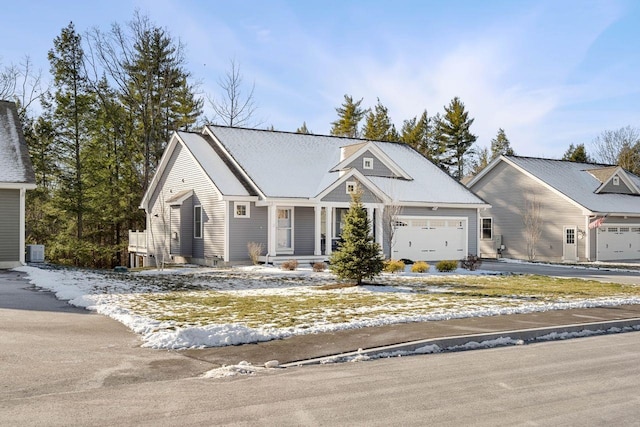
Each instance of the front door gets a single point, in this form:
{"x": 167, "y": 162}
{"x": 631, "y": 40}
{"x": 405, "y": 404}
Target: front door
{"x": 570, "y": 247}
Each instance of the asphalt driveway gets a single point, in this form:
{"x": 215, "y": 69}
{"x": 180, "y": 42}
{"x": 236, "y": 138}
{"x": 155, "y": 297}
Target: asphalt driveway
{"x": 600, "y": 272}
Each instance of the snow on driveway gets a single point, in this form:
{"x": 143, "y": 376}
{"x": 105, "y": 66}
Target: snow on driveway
{"x": 117, "y": 295}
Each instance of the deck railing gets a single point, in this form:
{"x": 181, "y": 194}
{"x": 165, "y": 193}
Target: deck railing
{"x": 137, "y": 241}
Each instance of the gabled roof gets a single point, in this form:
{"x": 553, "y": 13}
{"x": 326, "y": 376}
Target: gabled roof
{"x": 577, "y": 182}
{"x": 15, "y": 163}
{"x": 294, "y": 165}
{"x": 354, "y": 151}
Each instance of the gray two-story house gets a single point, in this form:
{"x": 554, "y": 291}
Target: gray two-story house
{"x": 218, "y": 190}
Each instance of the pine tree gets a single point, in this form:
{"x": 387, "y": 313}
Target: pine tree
{"x": 481, "y": 160}
{"x": 71, "y": 110}
{"x": 455, "y": 136}
{"x": 359, "y": 256}
{"x": 378, "y": 125}
{"x": 303, "y": 129}
{"x": 350, "y": 115}
{"x": 500, "y": 145}
{"x": 576, "y": 153}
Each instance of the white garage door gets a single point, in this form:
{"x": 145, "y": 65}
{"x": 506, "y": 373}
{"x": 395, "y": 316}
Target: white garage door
{"x": 430, "y": 239}
{"x": 618, "y": 242}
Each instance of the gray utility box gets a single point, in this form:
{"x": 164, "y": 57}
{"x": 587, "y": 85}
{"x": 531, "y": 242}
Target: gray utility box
{"x": 35, "y": 253}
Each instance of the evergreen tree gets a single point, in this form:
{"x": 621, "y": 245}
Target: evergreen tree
{"x": 350, "y": 115}
{"x": 303, "y": 129}
{"x": 481, "y": 160}
{"x": 359, "y": 256}
{"x": 576, "y": 153}
{"x": 453, "y": 132}
{"x": 378, "y": 125}
{"x": 500, "y": 145}
{"x": 71, "y": 111}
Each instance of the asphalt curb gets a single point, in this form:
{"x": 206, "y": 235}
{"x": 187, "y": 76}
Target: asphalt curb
{"x": 462, "y": 342}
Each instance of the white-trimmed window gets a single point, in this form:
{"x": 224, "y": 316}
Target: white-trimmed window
{"x": 197, "y": 222}
{"x": 616, "y": 180}
{"x": 367, "y": 163}
{"x": 241, "y": 210}
{"x": 487, "y": 228}
{"x": 351, "y": 187}
{"x": 285, "y": 230}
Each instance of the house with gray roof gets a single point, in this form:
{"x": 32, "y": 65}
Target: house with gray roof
{"x": 16, "y": 176}
{"x": 216, "y": 191}
{"x": 583, "y": 211}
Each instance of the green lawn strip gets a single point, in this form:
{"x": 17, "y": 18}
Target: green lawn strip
{"x": 310, "y": 306}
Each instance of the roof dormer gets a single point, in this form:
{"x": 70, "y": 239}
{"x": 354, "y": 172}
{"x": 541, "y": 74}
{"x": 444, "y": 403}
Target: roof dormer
{"x": 370, "y": 160}
{"x": 614, "y": 180}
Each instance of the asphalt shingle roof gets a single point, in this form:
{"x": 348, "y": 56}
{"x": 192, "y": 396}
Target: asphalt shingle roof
{"x": 15, "y": 163}
{"x": 576, "y": 182}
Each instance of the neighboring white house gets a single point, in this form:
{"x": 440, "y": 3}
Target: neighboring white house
{"x": 218, "y": 190}
{"x": 585, "y": 211}
{"x": 16, "y": 176}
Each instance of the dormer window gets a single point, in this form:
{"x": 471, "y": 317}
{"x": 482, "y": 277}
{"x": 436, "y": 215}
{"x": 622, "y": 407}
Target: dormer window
{"x": 367, "y": 163}
{"x": 616, "y": 180}
{"x": 351, "y": 187}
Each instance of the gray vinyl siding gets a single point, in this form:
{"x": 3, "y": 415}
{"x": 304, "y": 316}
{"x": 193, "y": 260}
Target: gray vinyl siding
{"x": 621, "y": 188}
{"x": 9, "y": 225}
{"x": 183, "y": 173}
{"x": 245, "y": 230}
{"x": 339, "y": 194}
{"x": 304, "y": 230}
{"x": 507, "y": 190}
{"x": 470, "y": 214}
{"x": 379, "y": 168}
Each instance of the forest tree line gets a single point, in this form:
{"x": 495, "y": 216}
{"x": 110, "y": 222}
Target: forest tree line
{"x": 116, "y": 96}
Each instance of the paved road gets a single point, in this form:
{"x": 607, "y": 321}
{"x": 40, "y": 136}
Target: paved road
{"x": 603, "y": 273}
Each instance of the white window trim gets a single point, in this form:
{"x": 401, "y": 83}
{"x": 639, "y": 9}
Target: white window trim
{"x": 616, "y": 180}
{"x": 195, "y": 223}
{"x": 279, "y": 249}
{"x": 482, "y": 228}
{"x": 364, "y": 163}
{"x": 351, "y": 184}
{"x": 246, "y": 207}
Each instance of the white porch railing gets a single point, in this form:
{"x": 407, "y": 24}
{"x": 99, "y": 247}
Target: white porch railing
{"x": 137, "y": 241}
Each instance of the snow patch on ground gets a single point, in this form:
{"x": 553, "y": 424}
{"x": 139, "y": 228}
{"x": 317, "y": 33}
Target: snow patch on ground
{"x": 111, "y": 293}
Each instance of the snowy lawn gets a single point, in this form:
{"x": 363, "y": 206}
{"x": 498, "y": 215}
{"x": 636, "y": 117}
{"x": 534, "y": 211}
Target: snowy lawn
{"x": 194, "y": 307}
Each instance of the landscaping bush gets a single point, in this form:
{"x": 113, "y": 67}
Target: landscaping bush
{"x": 446, "y": 265}
{"x": 471, "y": 262}
{"x": 393, "y": 266}
{"x": 290, "y": 265}
{"x": 319, "y": 266}
{"x": 255, "y": 250}
{"x": 420, "y": 267}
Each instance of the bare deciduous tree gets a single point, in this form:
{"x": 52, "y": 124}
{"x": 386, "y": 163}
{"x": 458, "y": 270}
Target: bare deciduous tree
{"x": 619, "y": 147}
{"x": 389, "y": 219}
{"x": 532, "y": 225}
{"x": 21, "y": 83}
{"x": 234, "y": 107}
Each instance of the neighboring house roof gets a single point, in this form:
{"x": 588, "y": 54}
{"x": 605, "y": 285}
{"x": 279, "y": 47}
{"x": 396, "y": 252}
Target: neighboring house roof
{"x": 15, "y": 163}
{"x": 294, "y": 165}
{"x": 579, "y": 182}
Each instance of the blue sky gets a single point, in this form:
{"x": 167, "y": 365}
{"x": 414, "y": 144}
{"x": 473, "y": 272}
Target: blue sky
{"x": 550, "y": 73}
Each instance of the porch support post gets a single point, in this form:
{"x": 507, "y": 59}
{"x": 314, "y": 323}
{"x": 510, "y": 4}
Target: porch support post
{"x": 328, "y": 240}
{"x": 378, "y": 226}
{"x": 272, "y": 219}
{"x": 317, "y": 210}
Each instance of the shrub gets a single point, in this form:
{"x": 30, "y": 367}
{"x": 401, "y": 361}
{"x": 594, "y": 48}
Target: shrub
{"x": 393, "y": 266}
{"x": 471, "y": 262}
{"x": 319, "y": 266}
{"x": 290, "y": 265}
{"x": 255, "y": 250}
{"x": 446, "y": 265}
{"x": 420, "y": 267}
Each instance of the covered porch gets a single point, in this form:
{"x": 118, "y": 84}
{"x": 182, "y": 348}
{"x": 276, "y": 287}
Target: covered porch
{"x": 311, "y": 232}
